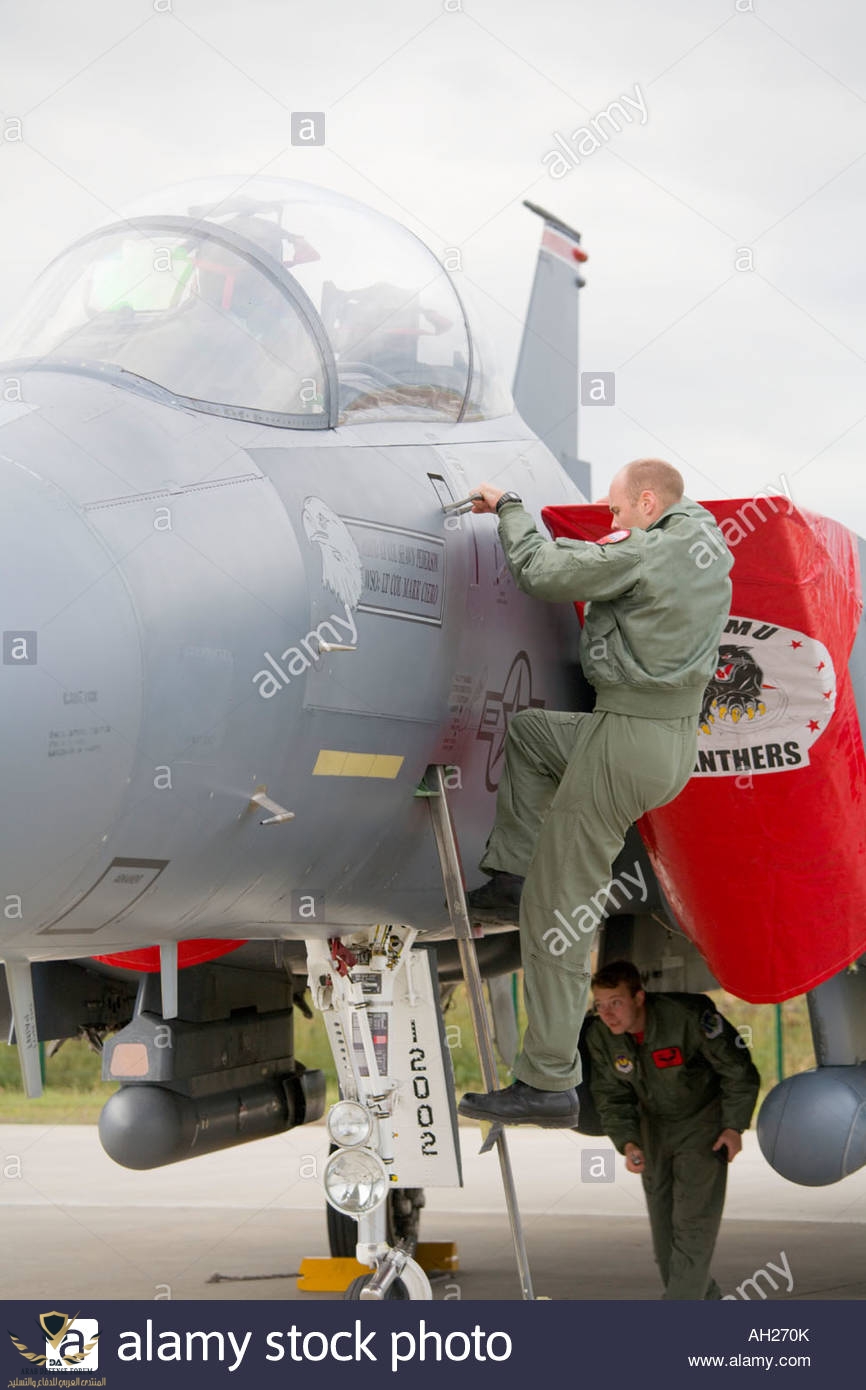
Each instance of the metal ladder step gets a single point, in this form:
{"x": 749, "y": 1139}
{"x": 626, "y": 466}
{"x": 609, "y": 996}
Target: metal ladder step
{"x": 452, "y": 878}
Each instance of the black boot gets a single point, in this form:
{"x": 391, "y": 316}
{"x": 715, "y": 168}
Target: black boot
{"x": 497, "y": 900}
{"x": 520, "y": 1104}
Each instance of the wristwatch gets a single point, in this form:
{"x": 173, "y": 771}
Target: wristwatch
{"x": 507, "y": 497}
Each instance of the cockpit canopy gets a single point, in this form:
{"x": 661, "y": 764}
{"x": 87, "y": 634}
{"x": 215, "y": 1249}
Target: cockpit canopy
{"x": 280, "y": 302}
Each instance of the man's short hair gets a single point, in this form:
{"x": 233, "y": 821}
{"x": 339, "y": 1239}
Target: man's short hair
{"x": 618, "y": 972}
{"x": 656, "y": 476}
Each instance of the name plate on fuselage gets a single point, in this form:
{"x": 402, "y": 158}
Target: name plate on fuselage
{"x": 403, "y": 572}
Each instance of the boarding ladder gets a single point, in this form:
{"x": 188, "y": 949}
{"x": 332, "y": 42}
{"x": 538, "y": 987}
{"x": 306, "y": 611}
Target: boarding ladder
{"x": 452, "y": 878}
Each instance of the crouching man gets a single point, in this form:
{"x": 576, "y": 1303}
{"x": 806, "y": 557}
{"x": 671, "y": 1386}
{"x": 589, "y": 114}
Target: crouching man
{"x": 674, "y": 1086}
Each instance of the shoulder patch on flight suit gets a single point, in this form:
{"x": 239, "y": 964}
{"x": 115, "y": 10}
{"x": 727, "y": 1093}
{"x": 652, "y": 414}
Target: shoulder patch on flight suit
{"x": 613, "y": 536}
{"x": 711, "y": 1023}
{"x": 623, "y": 1064}
{"x": 668, "y": 1057}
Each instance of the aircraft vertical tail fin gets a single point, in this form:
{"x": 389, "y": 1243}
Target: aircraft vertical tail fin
{"x": 546, "y": 380}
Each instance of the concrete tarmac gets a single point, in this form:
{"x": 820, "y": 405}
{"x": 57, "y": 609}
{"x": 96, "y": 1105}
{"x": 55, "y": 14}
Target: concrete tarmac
{"x": 77, "y": 1226}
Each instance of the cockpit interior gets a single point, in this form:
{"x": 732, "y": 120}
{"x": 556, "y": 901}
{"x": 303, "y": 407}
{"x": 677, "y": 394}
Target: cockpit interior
{"x": 274, "y": 301}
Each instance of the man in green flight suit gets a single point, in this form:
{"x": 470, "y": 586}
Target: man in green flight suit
{"x": 573, "y": 783}
{"x": 674, "y": 1087}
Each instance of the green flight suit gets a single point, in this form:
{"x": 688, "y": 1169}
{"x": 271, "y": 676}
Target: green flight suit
{"x": 572, "y": 784}
{"x": 672, "y": 1095}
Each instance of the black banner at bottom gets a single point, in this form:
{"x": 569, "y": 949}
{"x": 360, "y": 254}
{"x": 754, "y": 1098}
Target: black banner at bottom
{"x": 48, "y": 1346}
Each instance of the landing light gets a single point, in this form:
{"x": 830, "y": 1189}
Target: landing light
{"x": 355, "y": 1181}
{"x": 349, "y": 1124}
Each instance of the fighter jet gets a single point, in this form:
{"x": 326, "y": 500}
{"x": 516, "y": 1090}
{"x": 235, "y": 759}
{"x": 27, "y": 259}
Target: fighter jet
{"x": 247, "y": 616}
{"x": 244, "y": 617}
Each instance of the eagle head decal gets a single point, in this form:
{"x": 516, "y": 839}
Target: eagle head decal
{"x": 342, "y": 571}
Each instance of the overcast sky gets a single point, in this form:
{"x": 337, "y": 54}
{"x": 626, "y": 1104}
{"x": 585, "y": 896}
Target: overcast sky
{"x": 747, "y": 144}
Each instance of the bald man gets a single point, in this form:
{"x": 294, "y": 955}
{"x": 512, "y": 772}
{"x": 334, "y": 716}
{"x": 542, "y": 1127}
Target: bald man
{"x": 572, "y": 784}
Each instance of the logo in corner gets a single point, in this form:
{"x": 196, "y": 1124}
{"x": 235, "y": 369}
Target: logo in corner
{"x": 70, "y": 1343}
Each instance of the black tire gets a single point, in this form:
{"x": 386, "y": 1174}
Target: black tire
{"x": 342, "y": 1233}
{"x": 404, "y": 1214}
{"x": 403, "y": 1219}
{"x": 353, "y": 1293}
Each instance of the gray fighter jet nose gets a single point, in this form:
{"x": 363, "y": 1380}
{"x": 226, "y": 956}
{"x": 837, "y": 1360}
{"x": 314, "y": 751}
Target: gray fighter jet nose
{"x": 70, "y": 684}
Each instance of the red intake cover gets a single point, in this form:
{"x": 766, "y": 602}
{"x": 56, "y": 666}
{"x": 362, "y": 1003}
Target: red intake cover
{"x": 763, "y": 854}
{"x": 146, "y": 958}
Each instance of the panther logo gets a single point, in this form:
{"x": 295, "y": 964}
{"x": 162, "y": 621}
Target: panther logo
{"x": 771, "y": 696}
{"x": 734, "y": 690}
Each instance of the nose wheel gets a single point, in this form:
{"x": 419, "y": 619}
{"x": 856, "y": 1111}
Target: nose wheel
{"x": 403, "y": 1220}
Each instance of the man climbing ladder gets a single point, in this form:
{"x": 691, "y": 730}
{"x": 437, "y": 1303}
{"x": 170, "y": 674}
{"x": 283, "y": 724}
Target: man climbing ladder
{"x": 573, "y": 783}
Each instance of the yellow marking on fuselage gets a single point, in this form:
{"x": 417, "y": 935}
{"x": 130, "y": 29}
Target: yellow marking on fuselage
{"x": 333, "y": 762}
